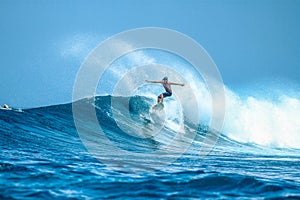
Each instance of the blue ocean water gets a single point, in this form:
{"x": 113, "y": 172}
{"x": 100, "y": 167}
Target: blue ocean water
{"x": 43, "y": 157}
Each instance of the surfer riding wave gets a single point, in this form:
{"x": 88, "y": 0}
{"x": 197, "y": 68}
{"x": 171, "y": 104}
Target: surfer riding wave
{"x": 167, "y": 85}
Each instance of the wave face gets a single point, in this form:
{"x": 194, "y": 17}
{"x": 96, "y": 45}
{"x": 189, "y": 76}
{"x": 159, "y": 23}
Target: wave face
{"x": 43, "y": 157}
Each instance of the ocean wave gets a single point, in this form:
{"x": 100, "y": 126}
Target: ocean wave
{"x": 43, "y": 157}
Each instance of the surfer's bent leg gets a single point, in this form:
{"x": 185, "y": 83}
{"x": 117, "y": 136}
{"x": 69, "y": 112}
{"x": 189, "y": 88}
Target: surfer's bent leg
{"x": 160, "y": 98}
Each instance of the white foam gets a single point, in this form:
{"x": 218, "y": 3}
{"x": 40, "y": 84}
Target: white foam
{"x": 262, "y": 121}
{"x": 268, "y": 122}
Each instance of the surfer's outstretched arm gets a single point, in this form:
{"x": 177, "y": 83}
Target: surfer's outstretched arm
{"x": 181, "y": 84}
{"x": 149, "y": 81}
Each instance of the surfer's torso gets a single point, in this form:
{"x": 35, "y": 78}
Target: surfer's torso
{"x": 167, "y": 87}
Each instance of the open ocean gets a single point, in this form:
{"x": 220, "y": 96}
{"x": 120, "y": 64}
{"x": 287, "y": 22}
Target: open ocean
{"x": 43, "y": 157}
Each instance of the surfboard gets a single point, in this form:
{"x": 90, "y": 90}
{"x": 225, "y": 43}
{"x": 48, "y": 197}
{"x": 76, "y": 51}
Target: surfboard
{"x": 1, "y": 108}
{"x": 12, "y": 109}
{"x": 158, "y": 106}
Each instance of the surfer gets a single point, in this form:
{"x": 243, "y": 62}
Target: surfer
{"x": 5, "y": 107}
{"x": 167, "y": 85}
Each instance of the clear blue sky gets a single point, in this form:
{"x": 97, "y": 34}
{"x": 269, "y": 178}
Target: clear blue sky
{"x": 44, "y": 42}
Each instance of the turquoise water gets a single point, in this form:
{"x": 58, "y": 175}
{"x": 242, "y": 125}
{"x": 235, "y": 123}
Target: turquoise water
{"x": 43, "y": 157}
